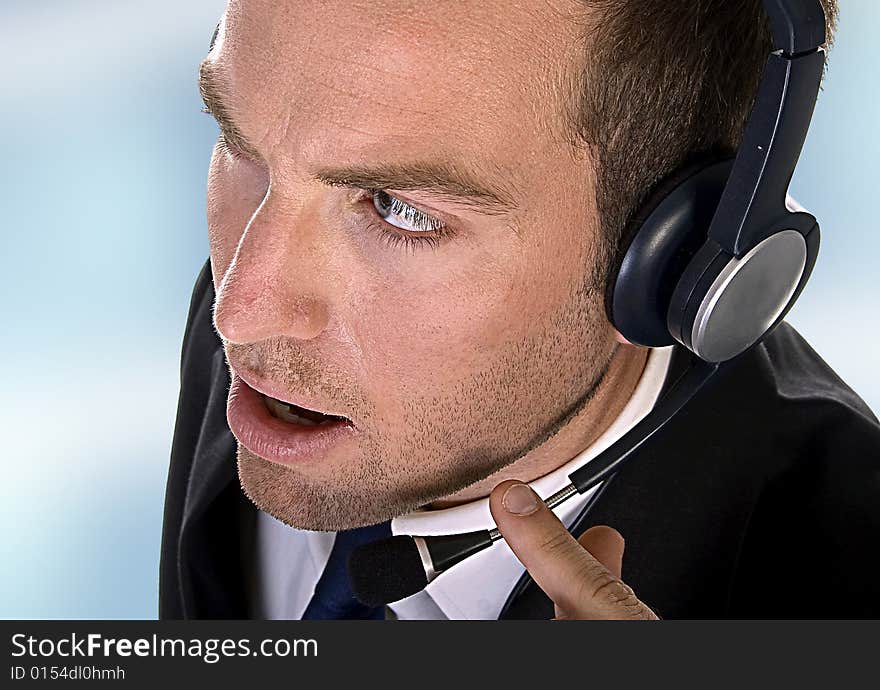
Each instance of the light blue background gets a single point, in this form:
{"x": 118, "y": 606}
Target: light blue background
{"x": 104, "y": 157}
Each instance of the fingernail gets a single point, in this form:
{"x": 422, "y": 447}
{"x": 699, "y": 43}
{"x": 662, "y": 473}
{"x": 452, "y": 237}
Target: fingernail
{"x": 519, "y": 499}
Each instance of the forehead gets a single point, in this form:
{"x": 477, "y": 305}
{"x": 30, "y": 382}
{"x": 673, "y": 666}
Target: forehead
{"x": 339, "y": 81}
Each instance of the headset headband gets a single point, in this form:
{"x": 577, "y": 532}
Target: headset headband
{"x": 757, "y": 253}
{"x": 777, "y": 127}
{"x": 798, "y": 26}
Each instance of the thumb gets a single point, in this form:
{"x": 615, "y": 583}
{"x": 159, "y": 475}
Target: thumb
{"x": 575, "y": 580}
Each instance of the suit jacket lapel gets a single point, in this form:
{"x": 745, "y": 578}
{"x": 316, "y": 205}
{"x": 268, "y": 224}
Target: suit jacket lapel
{"x": 209, "y": 571}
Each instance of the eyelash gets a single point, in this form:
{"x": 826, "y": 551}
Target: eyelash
{"x": 393, "y": 238}
{"x": 226, "y": 147}
{"x": 396, "y": 237}
{"x": 223, "y": 143}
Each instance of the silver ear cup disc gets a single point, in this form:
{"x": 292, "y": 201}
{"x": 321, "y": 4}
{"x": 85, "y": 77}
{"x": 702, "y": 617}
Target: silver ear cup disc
{"x": 748, "y": 296}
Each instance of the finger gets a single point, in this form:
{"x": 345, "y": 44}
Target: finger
{"x": 576, "y": 581}
{"x": 606, "y": 544}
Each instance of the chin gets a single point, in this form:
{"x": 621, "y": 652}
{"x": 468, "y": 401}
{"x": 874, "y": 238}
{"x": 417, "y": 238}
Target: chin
{"x": 311, "y": 505}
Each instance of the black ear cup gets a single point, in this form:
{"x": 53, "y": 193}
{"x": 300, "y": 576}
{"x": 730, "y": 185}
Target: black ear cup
{"x": 658, "y": 244}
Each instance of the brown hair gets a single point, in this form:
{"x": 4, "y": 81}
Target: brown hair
{"x": 664, "y": 81}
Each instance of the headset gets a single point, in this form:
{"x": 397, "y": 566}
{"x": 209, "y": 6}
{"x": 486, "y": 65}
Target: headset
{"x": 713, "y": 260}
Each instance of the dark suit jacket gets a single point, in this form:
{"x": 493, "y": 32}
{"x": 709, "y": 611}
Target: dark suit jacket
{"x": 760, "y": 499}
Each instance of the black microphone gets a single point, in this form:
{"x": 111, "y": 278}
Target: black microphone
{"x": 388, "y": 570}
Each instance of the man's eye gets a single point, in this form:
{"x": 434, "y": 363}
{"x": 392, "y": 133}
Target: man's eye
{"x": 402, "y": 215}
{"x": 416, "y": 228}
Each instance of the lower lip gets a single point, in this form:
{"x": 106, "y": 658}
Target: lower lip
{"x": 274, "y": 439}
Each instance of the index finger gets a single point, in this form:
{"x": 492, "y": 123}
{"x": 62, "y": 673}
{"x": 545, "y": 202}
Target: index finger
{"x": 569, "y": 574}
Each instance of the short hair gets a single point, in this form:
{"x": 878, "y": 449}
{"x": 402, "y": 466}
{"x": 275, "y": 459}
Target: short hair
{"x": 663, "y": 82}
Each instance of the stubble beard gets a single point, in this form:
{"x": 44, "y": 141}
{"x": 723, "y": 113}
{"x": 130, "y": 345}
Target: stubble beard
{"x": 391, "y": 479}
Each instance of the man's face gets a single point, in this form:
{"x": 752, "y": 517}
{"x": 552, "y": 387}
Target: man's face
{"x": 449, "y": 315}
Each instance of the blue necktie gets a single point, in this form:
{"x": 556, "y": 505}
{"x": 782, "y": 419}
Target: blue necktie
{"x": 333, "y": 599}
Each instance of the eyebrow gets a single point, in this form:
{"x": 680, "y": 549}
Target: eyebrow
{"x": 442, "y": 179}
{"x": 439, "y": 178}
{"x": 214, "y": 95}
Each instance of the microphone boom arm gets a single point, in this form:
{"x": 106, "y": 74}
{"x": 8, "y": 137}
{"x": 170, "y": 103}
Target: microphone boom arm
{"x": 398, "y": 567}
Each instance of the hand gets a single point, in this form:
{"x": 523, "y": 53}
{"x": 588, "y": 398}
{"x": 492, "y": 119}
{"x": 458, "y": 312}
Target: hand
{"x": 581, "y": 576}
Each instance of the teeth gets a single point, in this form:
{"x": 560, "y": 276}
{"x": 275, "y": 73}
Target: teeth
{"x": 282, "y": 411}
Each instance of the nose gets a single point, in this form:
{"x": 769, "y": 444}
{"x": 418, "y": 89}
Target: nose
{"x": 276, "y": 283}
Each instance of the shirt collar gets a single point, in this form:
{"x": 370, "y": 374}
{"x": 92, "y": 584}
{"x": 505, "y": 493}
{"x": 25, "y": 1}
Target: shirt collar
{"x": 478, "y": 586}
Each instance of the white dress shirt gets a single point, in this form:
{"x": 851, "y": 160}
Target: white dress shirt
{"x": 289, "y": 561}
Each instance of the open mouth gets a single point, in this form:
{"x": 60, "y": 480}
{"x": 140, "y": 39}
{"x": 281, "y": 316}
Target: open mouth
{"x": 283, "y": 432}
{"x": 295, "y": 414}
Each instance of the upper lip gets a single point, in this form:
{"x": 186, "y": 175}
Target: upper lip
{"x": 270, "y": 389}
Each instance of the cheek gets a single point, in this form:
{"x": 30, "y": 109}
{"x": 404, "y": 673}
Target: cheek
{"x": 423, "y": 332}
{"x": 439, "y": 325}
